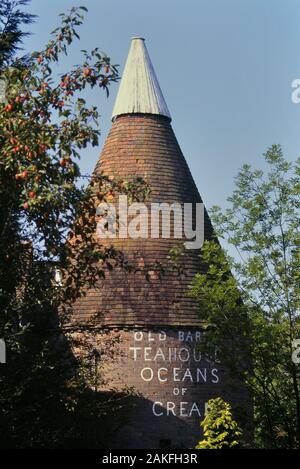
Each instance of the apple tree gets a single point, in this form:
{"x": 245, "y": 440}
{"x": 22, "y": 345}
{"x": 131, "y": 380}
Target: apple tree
{"x": 48, "y": 218}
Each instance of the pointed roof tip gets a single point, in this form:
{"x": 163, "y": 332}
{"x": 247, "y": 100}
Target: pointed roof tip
{"x": 139, "y": 91}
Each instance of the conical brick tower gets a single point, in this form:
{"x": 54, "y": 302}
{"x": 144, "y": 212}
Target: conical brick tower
{"x": 156, "y": 321}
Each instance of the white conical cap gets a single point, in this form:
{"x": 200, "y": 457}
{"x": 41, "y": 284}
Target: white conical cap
{"x": 139, "y": 90}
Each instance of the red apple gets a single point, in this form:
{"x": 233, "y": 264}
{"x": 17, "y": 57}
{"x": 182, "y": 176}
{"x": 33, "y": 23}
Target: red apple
{"x": 42, "y": 149}
{"x": 87, "y": 72}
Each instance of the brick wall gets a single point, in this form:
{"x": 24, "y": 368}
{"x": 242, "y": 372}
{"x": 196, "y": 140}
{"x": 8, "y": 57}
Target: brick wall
{"x": 170, "y": 383}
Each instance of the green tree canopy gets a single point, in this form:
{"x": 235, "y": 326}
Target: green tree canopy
{"x": 220, "y": 431}
{"x": 12, "y": 19}
{"x": 250, "y": 302}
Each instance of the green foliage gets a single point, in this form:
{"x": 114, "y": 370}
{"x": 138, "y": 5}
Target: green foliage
{"x": 12, "y": 18}
{"x": 250, "y": 302}
{"x": 220, "y": 430}
{"x": 48, "y": 218}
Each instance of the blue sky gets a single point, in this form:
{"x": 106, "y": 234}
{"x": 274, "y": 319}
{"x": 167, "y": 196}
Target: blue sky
{"x": 225, "y": 68}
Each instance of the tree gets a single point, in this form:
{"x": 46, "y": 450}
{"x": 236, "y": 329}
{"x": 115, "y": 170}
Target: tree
{"x": 47, "y": 218}
{"x": 12, "y": 18}
{"x": 220, "y": 430}
{"x": 250, "y": 303}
